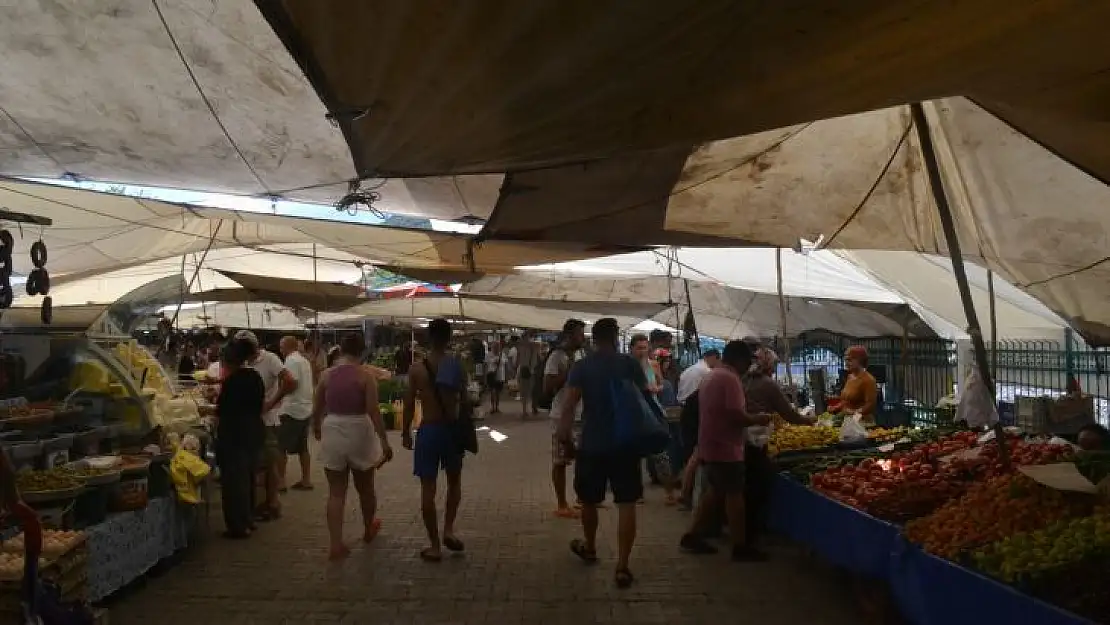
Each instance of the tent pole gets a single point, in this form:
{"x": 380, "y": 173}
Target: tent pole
{"x": 944, "y": 211}
{"x": 316, "y": 319}
{"x": 196, "y": 273}
{"x": 782, "y": 316}
{"x": 200, "y": 287}
{"x": 994, "y": 325}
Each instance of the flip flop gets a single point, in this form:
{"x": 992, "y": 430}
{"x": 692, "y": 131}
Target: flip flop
{"x": 623, "y": 578}
{"x": 299, "y": 486}
{"x": 427, "y": 554}
{"x": 566, "y": 513}
{"x": 453, "y": 544}
{"x": 578, "y": 547}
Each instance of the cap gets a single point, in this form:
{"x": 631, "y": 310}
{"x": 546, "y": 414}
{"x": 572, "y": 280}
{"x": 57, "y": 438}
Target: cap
{"x": 247, "y": 335}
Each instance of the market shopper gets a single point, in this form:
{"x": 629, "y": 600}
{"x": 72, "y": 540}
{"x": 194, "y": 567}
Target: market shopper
{"x": 763, "y": 396}
{"x": 293, "y": 413}
{"x": 278, "y": 383}
{"x": 525, "y": 367}
{"x": 687, "y": 395}
{"x": 861, "y": 392}
{"x": 1094, "y": 437}
{"x": 496, "y": 372}
{"x": 439, "y": 384}
{"x": 721, "y": 444}
{"x": 599, "y": 464}
{"x": 555, "y": 373}
{"x": 353, "y": 441}
{"x": 239, "y": 434}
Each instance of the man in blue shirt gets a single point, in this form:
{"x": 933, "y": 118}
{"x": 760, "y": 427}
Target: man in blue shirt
{"x": 439, "y": 383}
{"x": 599, "y": 465}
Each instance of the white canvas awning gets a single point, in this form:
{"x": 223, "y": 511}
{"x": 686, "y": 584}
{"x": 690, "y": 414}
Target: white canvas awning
{"x": 95, "y": 232}
{"x": 521, "y": 311}
{"x": 719, "y": 311}
{"x": 252, "y": 315}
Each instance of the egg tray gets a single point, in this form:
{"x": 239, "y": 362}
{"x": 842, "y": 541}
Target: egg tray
{"x": 54, "y": 569}
{"x": 11, "y": 546}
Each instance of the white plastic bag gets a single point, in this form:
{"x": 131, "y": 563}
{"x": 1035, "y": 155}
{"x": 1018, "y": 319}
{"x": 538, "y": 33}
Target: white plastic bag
{"x": 976, "y": 404}
{"x": 852, "y": 431}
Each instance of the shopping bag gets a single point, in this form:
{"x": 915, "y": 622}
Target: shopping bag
{"x": 640, "y": 426}
{"x": 852, "y": 431}
{"x": 976, "y": 405}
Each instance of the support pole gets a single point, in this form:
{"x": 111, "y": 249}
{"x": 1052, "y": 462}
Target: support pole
{"x": 994, "y": 325}
{"x": 944, "y": 211}
{"x": 782, "y": 316}
{"x": 690, "y": 311}
{"x": 193, "y": 279}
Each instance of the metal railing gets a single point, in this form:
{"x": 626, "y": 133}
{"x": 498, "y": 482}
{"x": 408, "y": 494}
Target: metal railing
{"x": 916, "y": 373}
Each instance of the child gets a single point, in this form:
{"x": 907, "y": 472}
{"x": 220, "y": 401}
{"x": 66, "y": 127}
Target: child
{"x": 187, "y": 471}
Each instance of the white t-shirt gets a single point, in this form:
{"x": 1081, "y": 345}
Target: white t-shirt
{"x": 298, "y": 404}
{"x": 691, "y": 379}
{"x": 269, "y": 367}
{"x": 558, "y": 363}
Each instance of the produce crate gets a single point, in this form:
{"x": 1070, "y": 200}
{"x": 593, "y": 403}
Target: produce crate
{"x": 1045, "y": 415}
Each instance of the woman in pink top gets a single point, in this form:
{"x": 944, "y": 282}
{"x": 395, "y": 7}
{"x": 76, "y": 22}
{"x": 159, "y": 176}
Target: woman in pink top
{"x": 352, "y": 440}
{"x": 721, "y": 439}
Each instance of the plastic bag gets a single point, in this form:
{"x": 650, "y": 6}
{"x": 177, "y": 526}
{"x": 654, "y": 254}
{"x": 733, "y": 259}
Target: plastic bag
{"x": 976, "y": 403}
{"x": 852, "y": 431}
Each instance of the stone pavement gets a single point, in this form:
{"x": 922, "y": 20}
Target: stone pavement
{"x": 517, "y": 567}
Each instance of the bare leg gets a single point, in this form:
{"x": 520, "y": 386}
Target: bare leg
{"x": 282, "y": 465}
{"x": 337, "y": 499}
{"x": 431, "y": 522}
{"x": 626, "y": 533}
{"x": 454, "y": 497}
{"x": 559, "y": 481}
{"x": 589, "y": 526}
{"x": 273, "y": 500}
{"x": 306, "y": 468}
{"x": 734, "y": 508}
{"x": 368, "y": 501}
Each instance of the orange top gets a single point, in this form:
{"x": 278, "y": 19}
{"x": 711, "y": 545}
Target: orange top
{"x": 860, "y": 394}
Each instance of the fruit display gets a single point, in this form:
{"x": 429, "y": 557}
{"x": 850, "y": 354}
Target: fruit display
{"x": 803, "y": 470}
{"x": 1079, "y": 588}
{"x": 1030, "y": 555}
{"x": 884, "y": 435}
{"x": 54, "y": 542}
{"x": 795, "y": 437}
{"x": 990, "y": 511}
{"x": 138, "y": 359}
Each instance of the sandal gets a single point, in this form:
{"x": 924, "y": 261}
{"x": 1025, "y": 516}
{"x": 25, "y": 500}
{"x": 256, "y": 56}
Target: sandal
{"x": 453, "y": 544}
{"x": 578, "y": 547}
{"x": 566, "y": 513}
{"x": 623, "y": 578}
{"x": 300, "y": 486}
{"x": 428, "y": 554}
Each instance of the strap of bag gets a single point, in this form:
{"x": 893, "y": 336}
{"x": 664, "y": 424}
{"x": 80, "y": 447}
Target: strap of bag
{"x": 432, "y": 372}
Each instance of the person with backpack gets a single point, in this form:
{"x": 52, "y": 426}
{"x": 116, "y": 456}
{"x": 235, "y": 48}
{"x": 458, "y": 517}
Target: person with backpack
{"x": 555, "y": 373}
{"x": 525, "y": 361}
{"x": 602, "y": 463}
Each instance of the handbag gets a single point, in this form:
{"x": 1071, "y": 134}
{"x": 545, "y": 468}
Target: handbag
{"x": 462, "y": 426}
{"x": 640, "y": 426}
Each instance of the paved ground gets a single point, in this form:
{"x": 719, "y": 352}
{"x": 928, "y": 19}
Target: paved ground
{"x": 517, "y": 568}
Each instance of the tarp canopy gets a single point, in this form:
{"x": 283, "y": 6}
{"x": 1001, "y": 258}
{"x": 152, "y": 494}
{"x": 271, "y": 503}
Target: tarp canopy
{"x": 857, "y": 182}
{"x": 718, "y": 310}
{"x": 253, "y": 315}
{"x": 96, "y": 232}
{"x": 295, "y": 294}
{"x": 523, "y": 311}
{"x": 924, "y": 282}
{"x": 169, "y": 276}
{"x": 509, "y": 86}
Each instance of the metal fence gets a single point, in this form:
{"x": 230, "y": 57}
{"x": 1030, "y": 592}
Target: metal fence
{"x": 916, "y": 373}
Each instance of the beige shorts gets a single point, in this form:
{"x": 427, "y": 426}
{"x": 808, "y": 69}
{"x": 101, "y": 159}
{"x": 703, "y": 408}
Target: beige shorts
{"x": 348, "y": 442}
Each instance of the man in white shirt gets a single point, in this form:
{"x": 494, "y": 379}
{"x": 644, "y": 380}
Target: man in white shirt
{"x": 554, "y": 383}
{"x": 691, "y": 378}
{"x": 278, "y": 383}
{"x": 294, "y": 413}
{"x": 688, "y": 384}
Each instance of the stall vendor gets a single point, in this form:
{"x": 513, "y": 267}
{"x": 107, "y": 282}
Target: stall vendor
{"x": 861, "y": 391}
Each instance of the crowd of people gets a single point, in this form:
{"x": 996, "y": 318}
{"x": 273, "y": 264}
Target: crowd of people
{"x": 716, "y": 412}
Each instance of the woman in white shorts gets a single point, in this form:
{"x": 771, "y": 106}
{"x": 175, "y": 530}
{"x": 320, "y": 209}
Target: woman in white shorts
{"x": 346, "y": 421}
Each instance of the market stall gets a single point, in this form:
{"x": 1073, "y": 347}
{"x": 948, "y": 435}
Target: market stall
{"x": 949, "y": 529}
{"x": 83, "y": 409}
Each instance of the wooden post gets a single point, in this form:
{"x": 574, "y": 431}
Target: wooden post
{"x": 936, "y": 186}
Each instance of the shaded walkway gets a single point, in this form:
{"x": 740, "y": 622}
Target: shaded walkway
{"x": 517, "y": 568}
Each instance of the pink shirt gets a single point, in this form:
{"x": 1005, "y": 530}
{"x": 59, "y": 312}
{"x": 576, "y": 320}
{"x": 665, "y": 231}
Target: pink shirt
{"x": 720, "y": 400}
